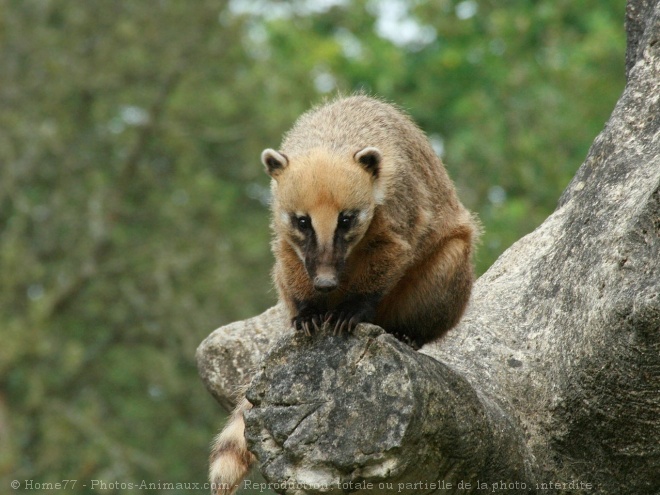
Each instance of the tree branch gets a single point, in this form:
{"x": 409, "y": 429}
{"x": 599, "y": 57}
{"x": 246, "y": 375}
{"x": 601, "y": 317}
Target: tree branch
{"x": 332, "y": 411}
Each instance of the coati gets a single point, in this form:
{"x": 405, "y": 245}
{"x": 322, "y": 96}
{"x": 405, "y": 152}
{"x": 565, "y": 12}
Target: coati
{"x": 367, "y": 228}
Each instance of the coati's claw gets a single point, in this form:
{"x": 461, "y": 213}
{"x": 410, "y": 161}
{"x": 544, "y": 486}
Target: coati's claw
{"x": 341, "y": 320}
{"x": 343, "y": 323}
{"x": 298, "y": 325}
{"x": 328, "y": 317}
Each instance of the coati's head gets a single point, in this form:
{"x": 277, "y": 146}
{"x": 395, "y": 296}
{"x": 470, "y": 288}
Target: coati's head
{"x": 323, "y": 203}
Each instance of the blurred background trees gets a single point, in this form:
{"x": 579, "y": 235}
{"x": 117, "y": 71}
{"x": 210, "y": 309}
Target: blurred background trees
{"x": 133, "y": 208}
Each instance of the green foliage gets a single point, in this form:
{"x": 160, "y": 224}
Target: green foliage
{"x": 133, "y": 216}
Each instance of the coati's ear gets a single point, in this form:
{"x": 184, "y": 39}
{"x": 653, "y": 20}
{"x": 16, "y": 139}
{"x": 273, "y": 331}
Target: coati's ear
{"x": 274, "y": 161}
{"x": 370, "y": 159}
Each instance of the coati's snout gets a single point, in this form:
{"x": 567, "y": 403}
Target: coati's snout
{"x": 325, "y": 280}
{"x": 324, "y": 266}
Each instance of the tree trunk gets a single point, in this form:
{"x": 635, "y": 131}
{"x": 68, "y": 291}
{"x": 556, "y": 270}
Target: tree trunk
{"x": 551, "y": 382}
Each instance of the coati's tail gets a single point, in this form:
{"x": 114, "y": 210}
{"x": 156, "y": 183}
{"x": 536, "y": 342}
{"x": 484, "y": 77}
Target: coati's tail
{"x": 230, "y": 458}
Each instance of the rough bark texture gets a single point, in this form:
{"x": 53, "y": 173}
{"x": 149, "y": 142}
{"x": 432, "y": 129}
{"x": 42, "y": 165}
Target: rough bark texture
{"x": 553, "y": 376}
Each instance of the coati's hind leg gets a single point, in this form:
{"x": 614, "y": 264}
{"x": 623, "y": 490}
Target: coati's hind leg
{"x": 431, "y": 297}
{"x": 230, "y": 458}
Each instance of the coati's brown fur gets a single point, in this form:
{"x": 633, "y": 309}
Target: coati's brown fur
{"x": 367, "y": 228}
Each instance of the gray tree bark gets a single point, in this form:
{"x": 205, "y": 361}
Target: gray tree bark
{"x": 551, "y": 382}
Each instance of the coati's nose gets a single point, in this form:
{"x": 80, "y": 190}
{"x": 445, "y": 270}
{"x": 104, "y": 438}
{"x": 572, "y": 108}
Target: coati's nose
{"x": 325, "y": 283}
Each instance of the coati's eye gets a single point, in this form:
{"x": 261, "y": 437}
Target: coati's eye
{"x": 345, "y": 220}
{"x": 303, "y": 223}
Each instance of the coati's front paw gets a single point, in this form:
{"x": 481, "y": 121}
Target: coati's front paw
{"x": 341, "y": 321}
{"x": 309, "y": 321}
{"x": 348, "y": 315}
